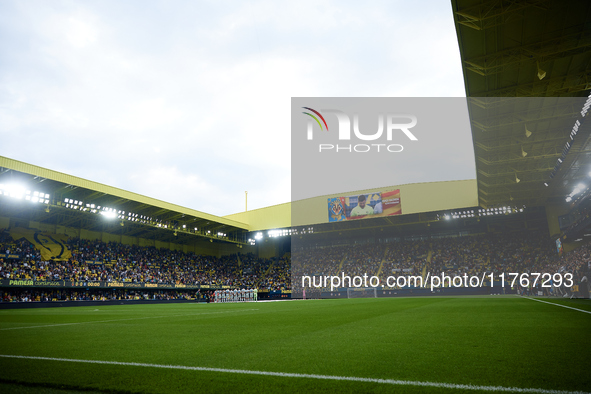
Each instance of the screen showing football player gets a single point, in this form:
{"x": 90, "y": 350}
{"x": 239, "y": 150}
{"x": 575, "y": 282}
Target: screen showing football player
{"x": 362, "y": 207}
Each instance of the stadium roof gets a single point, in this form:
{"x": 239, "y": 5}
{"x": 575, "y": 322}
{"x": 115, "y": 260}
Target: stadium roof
{"x": 79, "y": 203}
{"x": 527, "y": 72}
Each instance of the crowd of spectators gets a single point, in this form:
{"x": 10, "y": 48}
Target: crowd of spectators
{"x": 45, "y": 295}
{"x": 500, "y": 253}
{"x": 94, "y": 261}
{"x": 407, "y": 258}
{"x": 115, "y": 262}
{"x": 485, "y": 254}
{"x": 278, "y": 276}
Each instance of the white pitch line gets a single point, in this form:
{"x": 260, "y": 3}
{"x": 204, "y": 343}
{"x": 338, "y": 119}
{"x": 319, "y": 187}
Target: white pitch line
{"x": 552, "y": 303}
{"x": 115, "y": 320}
{"x": 451, "y": 386}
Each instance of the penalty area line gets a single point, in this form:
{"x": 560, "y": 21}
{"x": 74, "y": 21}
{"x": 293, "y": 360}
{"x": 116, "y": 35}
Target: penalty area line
{"x": 552, "y": 303}
{"x": 309, "y": 376}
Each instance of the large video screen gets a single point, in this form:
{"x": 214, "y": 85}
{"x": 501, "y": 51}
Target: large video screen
{"x": 363, "y": 206}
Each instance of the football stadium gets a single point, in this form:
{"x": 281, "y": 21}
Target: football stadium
{"x": 455, "y": 284}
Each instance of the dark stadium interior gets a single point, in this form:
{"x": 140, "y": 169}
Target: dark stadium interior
{"x": 512, "y": 51}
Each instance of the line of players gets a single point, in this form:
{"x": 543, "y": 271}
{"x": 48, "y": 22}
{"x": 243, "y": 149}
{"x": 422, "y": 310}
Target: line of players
{"x": 235, "y": 295}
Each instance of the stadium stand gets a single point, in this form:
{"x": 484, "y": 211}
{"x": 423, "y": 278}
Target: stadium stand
{"x": 115, "y": 263}
{"x": 109, "y": 263}
{"x": 526, "y": 72}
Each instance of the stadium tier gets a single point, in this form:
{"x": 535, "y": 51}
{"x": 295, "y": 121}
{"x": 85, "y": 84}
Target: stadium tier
{"x": 93, "y": 268}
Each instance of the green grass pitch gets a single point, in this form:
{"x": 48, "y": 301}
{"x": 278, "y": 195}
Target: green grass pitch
{"x": 509, "y": 342}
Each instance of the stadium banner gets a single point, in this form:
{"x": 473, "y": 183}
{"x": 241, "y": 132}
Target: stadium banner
{"x": 100, "y": 284}
{"x": 31, "y": 283}
{"x": 51, "y": 246}
{"x": 9, "y": 256}
{"x": 364, "y": 206}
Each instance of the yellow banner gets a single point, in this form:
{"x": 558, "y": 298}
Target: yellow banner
{"x": 51, "y": 246}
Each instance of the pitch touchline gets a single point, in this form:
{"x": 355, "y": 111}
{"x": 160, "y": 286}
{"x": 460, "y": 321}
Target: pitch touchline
{"x": 311, "y": 376}
{"x": 564, "y": 306}
{"x": 114, "y": 320}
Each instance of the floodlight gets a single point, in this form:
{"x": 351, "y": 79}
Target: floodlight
{"x": 541, "y": 73}
{"x": 109, "y": 214}
{"x": 14, "y": 190}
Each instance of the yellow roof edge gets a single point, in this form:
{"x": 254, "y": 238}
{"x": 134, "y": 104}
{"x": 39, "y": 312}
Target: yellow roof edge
{"x": 258, "y": 209}
{"x": 20, "y": 166}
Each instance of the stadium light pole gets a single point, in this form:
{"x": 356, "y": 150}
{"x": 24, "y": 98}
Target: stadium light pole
{"x": 245, "y": 201}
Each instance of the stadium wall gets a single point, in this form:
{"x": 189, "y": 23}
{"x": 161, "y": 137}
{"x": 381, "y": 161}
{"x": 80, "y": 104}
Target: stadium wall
{"x": 276, "y": 216}
{"x": 414, "y": 198}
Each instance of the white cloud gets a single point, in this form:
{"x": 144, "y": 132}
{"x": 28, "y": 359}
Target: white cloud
{"x": 146, "y": 115}
{"x": 80, "y": 33}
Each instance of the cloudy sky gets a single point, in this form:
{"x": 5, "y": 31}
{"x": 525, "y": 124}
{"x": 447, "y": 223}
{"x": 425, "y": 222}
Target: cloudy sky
{"x": 189, "y": 101}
